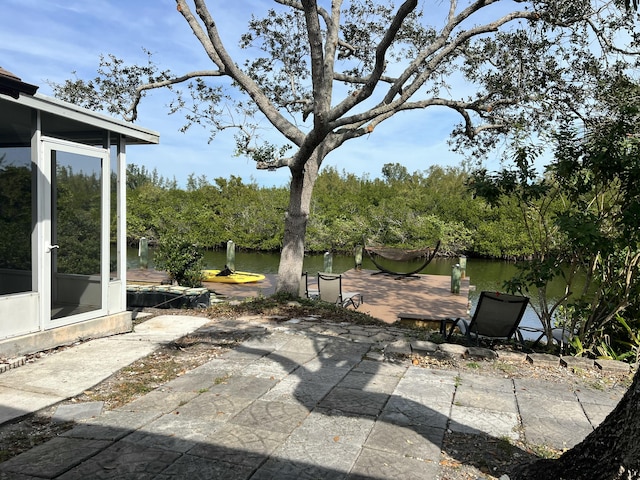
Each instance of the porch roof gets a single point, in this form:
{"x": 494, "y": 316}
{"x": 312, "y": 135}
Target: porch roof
{"x": 66, "y": 121}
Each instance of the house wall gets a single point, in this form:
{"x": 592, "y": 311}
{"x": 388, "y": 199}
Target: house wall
{"x": 19, "y": 314}
{"x": 66, "y": 335}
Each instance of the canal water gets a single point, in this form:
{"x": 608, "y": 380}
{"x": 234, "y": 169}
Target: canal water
{"x": 484, "y": 275}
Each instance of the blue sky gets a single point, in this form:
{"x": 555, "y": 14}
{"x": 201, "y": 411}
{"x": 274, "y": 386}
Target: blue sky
{"x": 47, "y": 40}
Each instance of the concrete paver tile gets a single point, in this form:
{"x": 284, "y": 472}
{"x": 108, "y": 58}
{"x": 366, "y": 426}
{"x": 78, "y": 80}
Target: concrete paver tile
{"x": 490, "y": 422}
{"x": 159, "y": 400}
{"x": 244, "y": 355}
{"x": 54, "y": 457}
{"x": 559, "y": 391}
{"x": 354, "y": 401}
{"x": 560, "y": 435}
{"x": 416, "y": 441}
{"x": 375, "y": 464}
{"x": 191, "y": 382}
{"x": 332, "y": 456}
{"x": 240, "y": 445}
{"x": 293, "y": 390}
{"x": 220, "y": 367}
{"x": 536, "y": 406}
{"x": 318, "y": 371}
{"x": 486, "y": 399}
{"x": 330, "y": 427}
{"x": 77, "y": 411}
{"x": 271, "y": 367}
{"x": 432, "y": 375}
{"x": 243, "y": 386}
{"x": 213, "y": 407}
{"x": 67, "y": 377}
{"x": 198, "y": 468}
{"x": 283, "y": 469}
{"x": 344, "y": 350}
{"x": 16, "y": 476}
{"x": 168, "y": 442}
{"x": 111, "y": 425}
{"x": 272, "y": 416}
{"x": 425, "y": 393}
{"x": 613, "y": 366}
{"x": 299, "y": 358}
{"x": 381, "y": 368}
{"x": 553, "y": 422}
{"x": 304, "y": 344}
{"x": 123, "y": 460}
{"x": 596, "y": 413}
{"x": 485, "y": 382}
{"x": 174, "y": 432}
{"x": 610, "y": 397}
{"x": 370, "y": 383}
{"x": 269, "y": 341}
{"x": 403, "y": 411}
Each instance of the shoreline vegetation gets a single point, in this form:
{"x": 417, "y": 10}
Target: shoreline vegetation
{"x": 346, "y": 211}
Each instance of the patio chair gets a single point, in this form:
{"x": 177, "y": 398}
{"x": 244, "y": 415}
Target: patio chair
{"x": 304, "y": 291}
{"x": 330, "y": 290}
{"x": 497, "y": 316}
{"x": 304, "y": 286}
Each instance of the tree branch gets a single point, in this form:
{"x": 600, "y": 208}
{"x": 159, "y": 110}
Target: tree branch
{"x": 405, "y": 9}
{"x": 229, "y": 67}
{"x": 278, "y": 163}
{"x": 133, "y": 110}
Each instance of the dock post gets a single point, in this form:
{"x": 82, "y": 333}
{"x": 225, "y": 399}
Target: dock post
{"x": 328, "y": 262}
{"x": 455, "y": 279}
{"x": 143, "y": 253}
{"x": 231, "y": 255}
{"x": 463, "y": 266}
{"x": 357, "y": 253}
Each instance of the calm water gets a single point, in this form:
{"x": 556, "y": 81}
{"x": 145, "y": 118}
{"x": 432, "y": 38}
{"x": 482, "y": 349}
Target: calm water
{"x": 483, "y": 274}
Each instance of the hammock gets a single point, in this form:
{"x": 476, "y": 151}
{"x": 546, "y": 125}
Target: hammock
{"x": 401, "y": 255}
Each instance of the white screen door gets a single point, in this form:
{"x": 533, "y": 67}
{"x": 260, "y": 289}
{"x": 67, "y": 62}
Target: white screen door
{"x": 76, "y": 226}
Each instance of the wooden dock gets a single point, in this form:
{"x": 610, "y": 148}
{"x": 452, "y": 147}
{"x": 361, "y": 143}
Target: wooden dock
{"x": 385, "y": 296}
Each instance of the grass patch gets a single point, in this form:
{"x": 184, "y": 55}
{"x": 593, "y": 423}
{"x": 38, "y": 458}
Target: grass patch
{"x": 160, "y": 367}
{"x": 508, "y": 368}
{"x": 290, "y": 307}
{"x": 544, "y": 451}
{"x": 220, "y": 380}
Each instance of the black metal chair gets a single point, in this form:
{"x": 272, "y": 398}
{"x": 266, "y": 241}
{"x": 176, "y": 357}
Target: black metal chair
{"x": 497, "y": 316}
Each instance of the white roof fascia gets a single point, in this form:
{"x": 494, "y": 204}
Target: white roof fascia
{"x": 86, "y": 116}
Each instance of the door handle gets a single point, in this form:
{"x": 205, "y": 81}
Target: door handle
{"x": 51, "y": 247}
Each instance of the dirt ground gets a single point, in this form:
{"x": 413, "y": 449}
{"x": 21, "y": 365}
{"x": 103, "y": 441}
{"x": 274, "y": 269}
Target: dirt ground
{"x": 475, "y": 457}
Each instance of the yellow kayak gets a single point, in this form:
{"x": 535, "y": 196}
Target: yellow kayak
{"x": 235, "y": 277}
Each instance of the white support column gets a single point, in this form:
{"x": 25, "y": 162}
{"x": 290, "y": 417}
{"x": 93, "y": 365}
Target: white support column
{"x": 122, "y": 218}
{"x": 39, "y": 234}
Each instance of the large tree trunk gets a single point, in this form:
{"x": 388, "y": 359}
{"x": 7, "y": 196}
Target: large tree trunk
{"x": 610, "y": 452}
{"x": 295, "y": 226}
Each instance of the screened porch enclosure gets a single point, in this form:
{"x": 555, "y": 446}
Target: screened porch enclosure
{"x": 62, "y": 214}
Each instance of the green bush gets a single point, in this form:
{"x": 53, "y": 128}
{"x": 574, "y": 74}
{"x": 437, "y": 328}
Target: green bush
{"x": 182, "y": 260}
